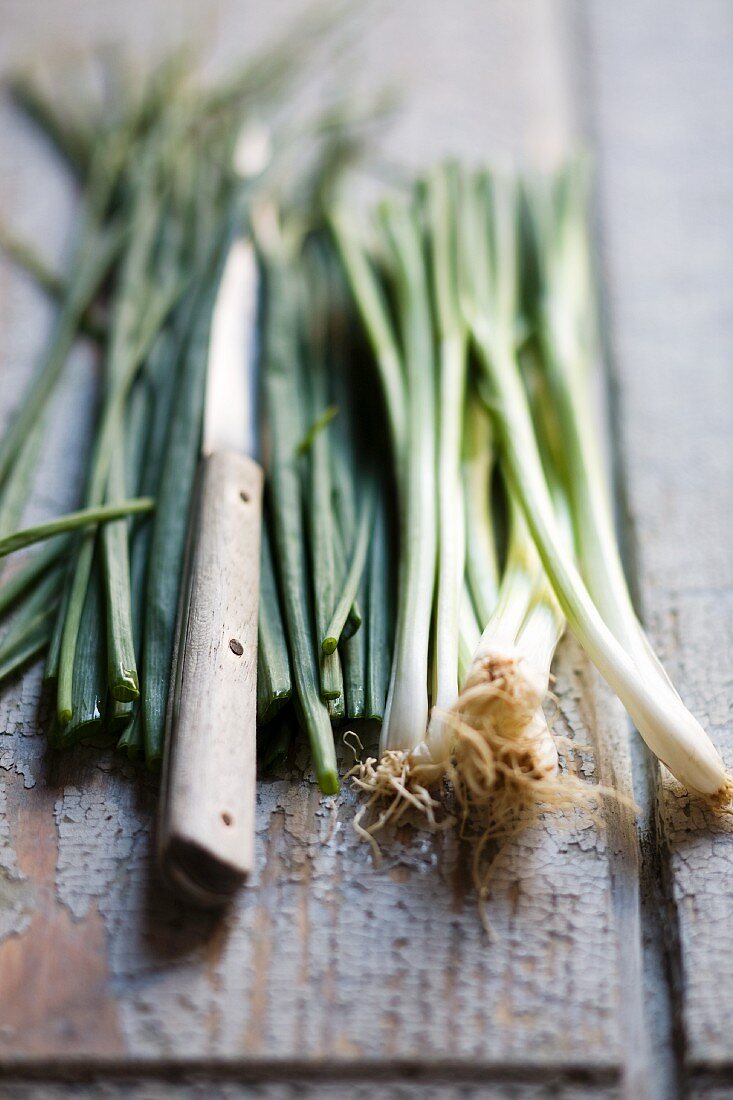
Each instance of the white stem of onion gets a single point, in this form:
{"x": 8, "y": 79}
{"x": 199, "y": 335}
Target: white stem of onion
{"x": 542, "y": 629}
{"x": 469, "y": 634}
{"x": 670, "y": 730}
{"x": 450, "y": 388}
{"x": 451, "y": 541}
{"x": 517, "y": 586}
{"x": 406, "y": 713}
{"x": 502, "y": 723}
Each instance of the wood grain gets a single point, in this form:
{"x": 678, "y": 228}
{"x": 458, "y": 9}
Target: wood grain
{"x": 206, "y": 821}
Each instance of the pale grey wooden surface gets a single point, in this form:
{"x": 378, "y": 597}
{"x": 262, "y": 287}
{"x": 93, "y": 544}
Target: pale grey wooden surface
{"x": 326, "y": 965}
{"x": 665, "y": 137}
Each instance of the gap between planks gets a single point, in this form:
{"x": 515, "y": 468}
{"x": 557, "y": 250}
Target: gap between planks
{"x": 243, "y": 1069}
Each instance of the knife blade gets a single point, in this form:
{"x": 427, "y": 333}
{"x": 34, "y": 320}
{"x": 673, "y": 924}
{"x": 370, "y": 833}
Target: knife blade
{"x": 206, "y": 825}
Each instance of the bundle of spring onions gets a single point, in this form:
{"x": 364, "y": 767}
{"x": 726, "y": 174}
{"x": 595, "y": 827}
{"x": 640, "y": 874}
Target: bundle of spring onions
{"x": 325, "y": 617}
{"x": 426, "y": 406}
{"x": 166, "y": 180}
{"x": 475, "y": 294}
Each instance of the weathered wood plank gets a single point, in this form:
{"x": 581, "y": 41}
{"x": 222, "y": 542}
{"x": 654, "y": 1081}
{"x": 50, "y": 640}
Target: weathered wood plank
{"x": 324, "y": 959}
{"x": 663, "y": 77}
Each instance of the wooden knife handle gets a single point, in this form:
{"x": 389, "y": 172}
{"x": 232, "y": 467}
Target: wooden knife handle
{"x": 206, "y": 827}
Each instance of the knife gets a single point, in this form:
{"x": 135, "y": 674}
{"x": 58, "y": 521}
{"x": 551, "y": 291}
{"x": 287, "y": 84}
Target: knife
{"x": 206, "y": 825}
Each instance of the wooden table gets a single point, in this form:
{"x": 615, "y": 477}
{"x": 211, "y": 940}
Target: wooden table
{"x": 611, "y": 968}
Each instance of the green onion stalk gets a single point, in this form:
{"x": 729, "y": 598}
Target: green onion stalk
{"x": 378, "y": 606}
{"x": 565, "y": 313}
{"x": 479, "y": 461}
{"x": 484, "y": 648}
{"x": 481, "y": 579}
{"x": 448, "y": 564}
{"x": 406, "y": 717}
{"x": 628, "y": 665}
{"x": 85, "y": 519}
{"x": 501, "y": 757}
{"x": 403, "y": 357}
{"x": 274, "y": 685}
{"x": 320, "y": 513}
{"x": 123, "y": 362}
{"x": 451, "y": 385}
{"x": 282, "y": 400}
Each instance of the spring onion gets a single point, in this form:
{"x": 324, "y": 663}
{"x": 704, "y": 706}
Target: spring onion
{"x": 479, "y": 459}
{"x": 379, "y": 633}
{"x": 451, "y": 429}
{"x": 274, "y": 687}
{"x": 452, "y": 356}
{"x": 89, "y": 694}
{"x": 282, "y": 402}
{"x": 321, "y": 519}
{"x": 73, "y": 521}
{"x": 121, "y": 662}
{"x": 670, "y": 730}
{"x": 406, "y": 716}
{"x": 168, "y": 538}
{"x": 159, "y": 201}
{"x": 504, "y": 756}
{"x": 352, "y": 580}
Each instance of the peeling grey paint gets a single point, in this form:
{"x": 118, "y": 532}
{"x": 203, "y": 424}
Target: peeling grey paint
{"x": 95, "y": 843}
{"x": 16, "y": 893}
